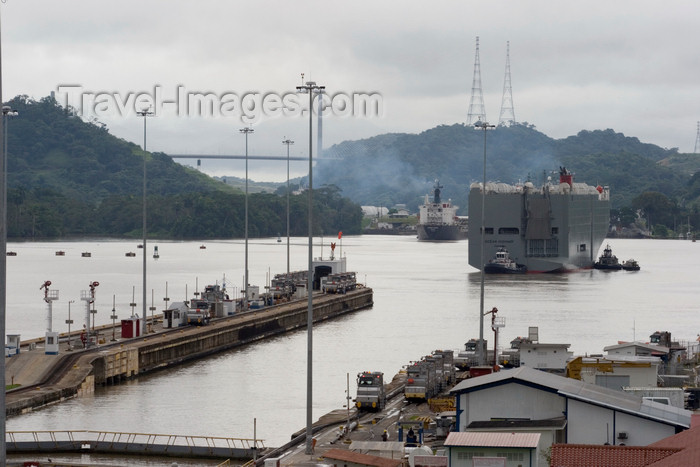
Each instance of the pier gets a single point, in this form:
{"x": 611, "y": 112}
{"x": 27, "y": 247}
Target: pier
{"x": 45, "y": 379}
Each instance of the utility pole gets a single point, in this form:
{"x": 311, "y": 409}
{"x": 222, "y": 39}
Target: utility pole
{"x": 310, "y": 87}
{"x": 144, "y": 113}
{"x": 482, "y": 348}
{"x": 246, "y": 131}
{"x": 287, "y": 141}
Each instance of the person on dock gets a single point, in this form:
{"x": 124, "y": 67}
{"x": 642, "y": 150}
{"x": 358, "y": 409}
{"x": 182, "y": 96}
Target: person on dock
{"x": 385, "y": 436}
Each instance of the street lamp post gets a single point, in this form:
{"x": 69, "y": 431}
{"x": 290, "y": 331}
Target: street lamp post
{"x": 310, "y": 87}
{"x": 246, "y": 131}
{"x": 7, "y": 111}
{"x": 287, "y": 141}
{"x": 144, "y": 113}
{"x": 3, "y": 267}
{"x": 69, "y": 321}
{"x": 114, "y": 318}
{"x": 3, "y": 277}
{"x": 482, "y": 350}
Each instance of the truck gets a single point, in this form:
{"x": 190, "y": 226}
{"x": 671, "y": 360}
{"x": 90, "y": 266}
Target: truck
{"x": 371, "y": 394}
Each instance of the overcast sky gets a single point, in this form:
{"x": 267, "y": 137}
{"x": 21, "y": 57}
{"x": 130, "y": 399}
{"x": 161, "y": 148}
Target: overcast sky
{"x": 632, "y": 66}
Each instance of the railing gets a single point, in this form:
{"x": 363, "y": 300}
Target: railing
{"x": 130, "y": 442}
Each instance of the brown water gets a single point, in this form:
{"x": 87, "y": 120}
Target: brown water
{"x": 426, "y": 297}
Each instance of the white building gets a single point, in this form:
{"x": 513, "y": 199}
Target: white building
{"x": 549, "y": 357}
{"x": 469, "y": 449}
{"x": 638, "y": 349}
{"x": 616, "y": 373}
{"x": 562, "y": 410}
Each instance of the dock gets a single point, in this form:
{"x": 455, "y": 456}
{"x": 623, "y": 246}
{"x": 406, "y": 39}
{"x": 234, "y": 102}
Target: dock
{"x": 46, "y": 379}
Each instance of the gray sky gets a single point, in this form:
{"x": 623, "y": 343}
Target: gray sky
{"x": 627, "y": 65}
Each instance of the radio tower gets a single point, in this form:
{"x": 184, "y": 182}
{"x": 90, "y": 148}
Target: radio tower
{"x": 697, "y": 140}
{"x": 477, "y": 112}
{"x": 507, "y": 116}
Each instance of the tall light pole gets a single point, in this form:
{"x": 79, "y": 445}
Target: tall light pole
{"x": 69, "y": 321}
{"x": 7, "y": 111}
{"x": 287, "y": 141}
{"x": 245, "y": 131}
{"x": 144, "y": 113}
{"x": 310, "y": 87}
{"x": 482, "y": 350}
{"x": 3, "y": 273}
{"x": 3, "y": 264}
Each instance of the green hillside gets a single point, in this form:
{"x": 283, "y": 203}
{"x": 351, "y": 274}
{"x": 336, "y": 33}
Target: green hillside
{"x": 67, "y": 177}
{"x": 400, "y": 168}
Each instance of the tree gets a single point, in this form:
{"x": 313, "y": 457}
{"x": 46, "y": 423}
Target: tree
{"x": 656, "y": 207}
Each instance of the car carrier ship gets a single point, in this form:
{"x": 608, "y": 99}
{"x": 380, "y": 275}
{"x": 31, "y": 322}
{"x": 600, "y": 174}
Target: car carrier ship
{"x": 553, "y": 228}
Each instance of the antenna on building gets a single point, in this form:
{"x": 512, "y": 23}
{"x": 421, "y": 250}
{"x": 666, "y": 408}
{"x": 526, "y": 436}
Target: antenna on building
{"x": 697, "y": 140}
{"x": 477, "y": 112}
{"x": 507, "y": 116}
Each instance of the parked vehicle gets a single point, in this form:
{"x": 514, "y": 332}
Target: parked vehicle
{"x": 371, "y": 394}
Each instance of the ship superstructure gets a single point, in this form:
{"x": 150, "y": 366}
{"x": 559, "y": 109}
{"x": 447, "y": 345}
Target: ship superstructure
{"x": 438, "y": 219}
{"x": 556, "y": 227}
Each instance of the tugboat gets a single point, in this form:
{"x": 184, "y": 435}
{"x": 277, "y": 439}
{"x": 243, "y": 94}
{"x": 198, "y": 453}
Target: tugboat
{"x": 630, "y": 265}
{"x": 607, "y": 261}
{"x": 504, "y": 264}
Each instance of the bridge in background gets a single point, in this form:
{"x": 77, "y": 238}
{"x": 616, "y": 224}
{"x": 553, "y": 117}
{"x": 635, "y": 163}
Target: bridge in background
{"x": 212, "y": 156}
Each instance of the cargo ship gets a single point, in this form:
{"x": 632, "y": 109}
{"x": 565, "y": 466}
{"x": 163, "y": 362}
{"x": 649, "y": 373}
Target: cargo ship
{"x": 553, "y": 228}
{"x": 438, "y": 221}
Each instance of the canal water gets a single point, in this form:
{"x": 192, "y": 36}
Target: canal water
{"x": 426, "y": 297}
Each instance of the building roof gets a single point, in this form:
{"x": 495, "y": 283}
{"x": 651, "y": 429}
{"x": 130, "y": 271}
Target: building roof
{"x": 650, "y": 347}
{"x": 378, "y": 446}
{"x": 552, "y": 423}
{"x": 679, "y": 450}
{"x": 576, "y": 455}
{"x": 528, "y": 345}
{"x": 492, "y": 439}
{"x": 578, "y": 390}
{"x": 359, "y": 458}
{"x": 622, "y": 358}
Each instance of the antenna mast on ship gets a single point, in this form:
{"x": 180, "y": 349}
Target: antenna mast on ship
{"x": 477, "y": 111}
{"x": 507, "y": 116}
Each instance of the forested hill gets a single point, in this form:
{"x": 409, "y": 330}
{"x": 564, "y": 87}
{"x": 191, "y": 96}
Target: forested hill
{"x": 401, "y": 168}
{"x": 67, "y": 177}
{"x": 52, "y": 149}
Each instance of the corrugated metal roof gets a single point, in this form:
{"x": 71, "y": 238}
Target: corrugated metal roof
{"x": 579, "y": 390}
{"x": 492, "y": 439}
